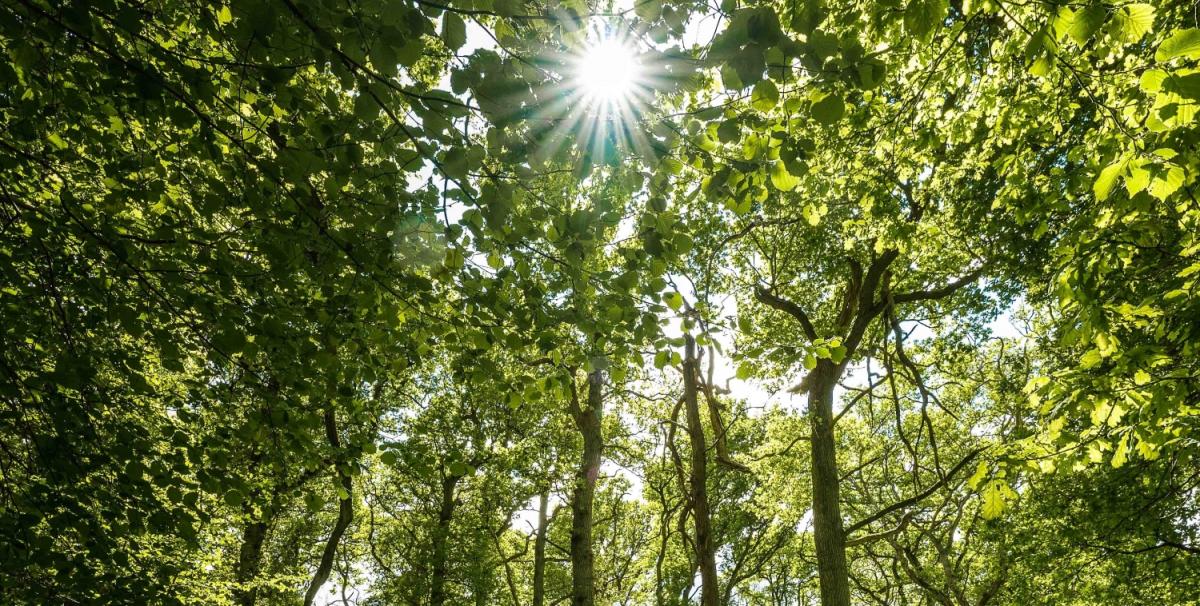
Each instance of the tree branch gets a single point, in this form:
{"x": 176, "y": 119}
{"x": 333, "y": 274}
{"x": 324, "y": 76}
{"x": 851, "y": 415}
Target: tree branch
{"x": 770, "y": 299}
{"x": 937, "y": 293}
{"x": 850, "y": 300}
{"x": 345, "y": 514}
{"x": 917, "y": 498}
{"x": 871, "y": 538}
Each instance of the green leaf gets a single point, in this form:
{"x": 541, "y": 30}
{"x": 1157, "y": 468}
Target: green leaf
{"x": 921, "y": 17}
{"x": 993, "y": 500}
{"x": 1040, "y": 66}
{"x": 749, "y": 64}
{"x": 661, "y": 359}
{"x": 810, "y": 361}
{"x": 1133, "y": 21}
{"x": 1151, "y": 80}
{"x": 312, "y": 502}
{"x": 806, "y": 15}
{"x": 728, "y": 131}
{"x": 507, "y": 8}
{"x": 1086, "y": 23}
{"x": 812, "y": 214}
{"x": 980, "y": 473}
{"x": 1108, "y": 178}
{"x": 648, "y": 10}
{"x": 837, "y": 353}
{"x": 781, "y": 178}
{"x": 56, "y": 141}
{"x": 1167, "y": 183}
{"x": 1137, "y": 180}
{"x": 1181, "y": 43}
{"x": 1121, "y": 454}
{"x": 1184, "y": 85}
{"x": 673, "y": 300}
{"x": 229, "y": 339}
{"x": 764, "y": 96}
{"x": 454, "y": 259}
{"x": 454, "y": 30}
{"x": 365, "y": 107}
{"x": 730, "y": 79}
{"x": 388, "y": 457}
{"x": 745, "y": 371}
{"x": 224, "y": 16}
{"x": 828, "y": 109}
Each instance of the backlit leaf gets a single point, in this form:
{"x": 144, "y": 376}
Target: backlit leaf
{"x": 1182, "y": 43}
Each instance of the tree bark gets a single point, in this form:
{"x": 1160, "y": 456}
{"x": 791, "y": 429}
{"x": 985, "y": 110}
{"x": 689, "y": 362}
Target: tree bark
{"x": 587, "y": 420}
{"x": 254, "y": 537}
{"x": 698, "y": 479}
{"x": 441, "y": 535}
{"x": 828, "y": 532}
{"x": 249, "y": 561}
{"x": 539, "y": 551}
{"x": 345, "y": 513}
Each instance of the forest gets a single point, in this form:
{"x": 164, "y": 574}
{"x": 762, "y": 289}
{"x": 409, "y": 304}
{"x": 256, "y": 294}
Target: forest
{"x": 599, "y": 302}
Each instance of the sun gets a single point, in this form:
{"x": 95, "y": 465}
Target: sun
{"x": 607, "y": 85}
{"x": 608, "y": 71}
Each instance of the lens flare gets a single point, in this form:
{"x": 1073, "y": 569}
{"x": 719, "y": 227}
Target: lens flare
{"x": 608, "y": 71}
{"x": 606, "y": 87}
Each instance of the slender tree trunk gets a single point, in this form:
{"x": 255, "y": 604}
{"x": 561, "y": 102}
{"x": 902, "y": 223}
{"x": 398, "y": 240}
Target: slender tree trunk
{"x": 441, "y": 535}
{"x": 827, "y": 511}
{"x": 587, "y": 420}
{"x": 345, "y": 513}
{"x": 705, "y": 554}
{"x": 249, "y": 561}
{"x": 539, "y": 552}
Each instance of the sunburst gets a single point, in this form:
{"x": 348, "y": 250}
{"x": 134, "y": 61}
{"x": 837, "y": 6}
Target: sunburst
{"x": 606, "y": 86}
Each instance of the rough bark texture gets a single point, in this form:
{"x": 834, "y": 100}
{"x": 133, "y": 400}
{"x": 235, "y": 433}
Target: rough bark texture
{"x": 698, "y": 479}
{"x": 539, "y": 552}
{"x": 587, "y": 420}
{"x": 345, "y": 515}
{"x": 441, "y": 534}
{"x": 827, "y": 511}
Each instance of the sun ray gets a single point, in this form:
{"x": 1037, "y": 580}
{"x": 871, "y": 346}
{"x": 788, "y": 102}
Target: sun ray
{"x": 607, "y": 84}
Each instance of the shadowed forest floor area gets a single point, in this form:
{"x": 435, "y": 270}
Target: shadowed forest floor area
{"x": 625, "y": 302}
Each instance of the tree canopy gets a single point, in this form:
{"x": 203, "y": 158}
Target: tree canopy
{"x": 599, "y": 302}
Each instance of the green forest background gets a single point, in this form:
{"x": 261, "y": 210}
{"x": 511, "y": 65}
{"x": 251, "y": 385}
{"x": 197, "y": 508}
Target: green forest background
{"x": 386, "y": 302}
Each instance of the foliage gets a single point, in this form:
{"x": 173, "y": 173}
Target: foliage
{"x": 372, "y": 303}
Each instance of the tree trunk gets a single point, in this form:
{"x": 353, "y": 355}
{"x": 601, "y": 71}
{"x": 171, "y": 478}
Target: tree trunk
{"x": 587, "y": 420}
{"x": 539, "y": 552}
{"x": 345, "y": 513}
{"x": 249, "y": 561}
{"x": 698, "y": 480}
{"x": 827, "y": 511}
{"x": 441, "y": 535}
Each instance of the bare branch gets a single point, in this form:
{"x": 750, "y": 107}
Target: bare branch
{"x": 770, "y": 299}
{"x": 871, "y": 538}
{"x": 897, "y": 506}
{"x": 937, "y": 293}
